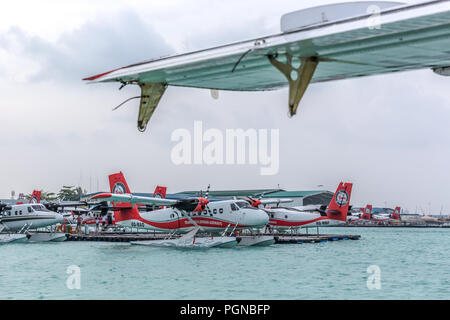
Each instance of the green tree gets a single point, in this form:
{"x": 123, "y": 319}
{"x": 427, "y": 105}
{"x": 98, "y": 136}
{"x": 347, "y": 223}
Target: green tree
{"x": 69, "y": 193}
{"x": 45, "y": 196}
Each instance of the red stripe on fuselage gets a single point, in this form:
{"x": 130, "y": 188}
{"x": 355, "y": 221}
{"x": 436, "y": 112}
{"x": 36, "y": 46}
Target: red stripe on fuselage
{"x": 206, "y": 222}
{"x": 284, "y": 223}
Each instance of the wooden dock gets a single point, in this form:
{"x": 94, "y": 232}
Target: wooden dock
{"x": 119, "y": 236}
{"x": 279, "y": 237}
{"x": 313, "y": 238}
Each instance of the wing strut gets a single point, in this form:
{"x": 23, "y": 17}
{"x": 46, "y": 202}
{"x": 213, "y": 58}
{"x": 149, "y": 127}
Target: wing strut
{"x": 151, "y": 94}
{"x": 299, "y": 78}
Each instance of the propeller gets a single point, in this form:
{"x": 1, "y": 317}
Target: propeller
{"x": 4, "y": 207}
{"x": 254, "y": 202}
{"x": 192, "y": 205}
{"x": 207, "y": 192}
{"x": 103, "y": 207}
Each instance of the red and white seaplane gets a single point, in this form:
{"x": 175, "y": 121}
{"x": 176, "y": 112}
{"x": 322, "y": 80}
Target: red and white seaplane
{"x": 182, "y": 216}
{"x": 297, "y": 217}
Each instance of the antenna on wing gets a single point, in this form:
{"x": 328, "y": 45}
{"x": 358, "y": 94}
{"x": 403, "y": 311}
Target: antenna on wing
{"x": 137, "y": 97}
{"x": 215, "y": 94}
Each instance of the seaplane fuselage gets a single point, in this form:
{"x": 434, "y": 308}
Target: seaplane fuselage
{"x": 217, "y": 216}
{"x": 31, "y": 216}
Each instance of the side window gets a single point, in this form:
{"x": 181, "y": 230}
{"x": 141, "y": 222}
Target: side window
{"x": 29, "y": 210}
{"x": 234, "y": 207}
{"x": 215, "y": 211}
{"x": 221, "y": 210}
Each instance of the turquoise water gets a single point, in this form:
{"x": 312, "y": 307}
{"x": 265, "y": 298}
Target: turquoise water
{"x": 414, "y": 264}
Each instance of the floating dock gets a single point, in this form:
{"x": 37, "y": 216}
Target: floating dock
{"x": 313, "y": 238}
{"x": 279, "y": 237}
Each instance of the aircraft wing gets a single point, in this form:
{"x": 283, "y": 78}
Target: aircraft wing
{"x": 129, "y": 198}
{"x": 404, "y": 38}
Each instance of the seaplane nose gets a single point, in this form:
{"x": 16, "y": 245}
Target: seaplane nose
{"x": 59, "y": 218}
{"x": 256, "y": 217}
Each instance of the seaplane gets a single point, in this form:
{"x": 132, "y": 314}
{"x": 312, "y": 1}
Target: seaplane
{"x": 282, "y": 218}
{"x": 367, "y": 215}
{"x": 18, "y": 219}
{"x": 181, "y": 215}
{"x": 319, "y": 44}
{"x": 99, "y": 210}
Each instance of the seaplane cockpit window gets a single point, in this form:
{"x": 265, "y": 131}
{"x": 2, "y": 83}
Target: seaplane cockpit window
{"x": 243, "y": 204}
{"x": 40, "y": 207}
{"x": 234, "y": 207}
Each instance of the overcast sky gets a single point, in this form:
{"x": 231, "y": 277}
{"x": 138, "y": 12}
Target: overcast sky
{"x": 389, "y": 135}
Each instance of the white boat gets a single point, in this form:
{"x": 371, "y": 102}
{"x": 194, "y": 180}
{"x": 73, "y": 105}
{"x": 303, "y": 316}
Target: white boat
{"x": 47, "y": 237}
{"x": 12, "y": 238}
{"x": 256, "y": 240}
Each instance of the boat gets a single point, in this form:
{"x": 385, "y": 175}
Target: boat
{"x": 12, "y": 238}
{"x": 46, "y": 237}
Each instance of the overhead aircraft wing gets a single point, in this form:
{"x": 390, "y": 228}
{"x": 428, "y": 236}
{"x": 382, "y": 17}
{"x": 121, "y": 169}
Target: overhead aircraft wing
{"x": 403, "y": 38}
{"x": 129, "y": 198}
{"x": 64, "y": 204}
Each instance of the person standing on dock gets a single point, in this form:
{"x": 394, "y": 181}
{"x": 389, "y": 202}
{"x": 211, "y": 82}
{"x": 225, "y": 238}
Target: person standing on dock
{"x": 103, "y": 222}
{"x": 79, "y": 224}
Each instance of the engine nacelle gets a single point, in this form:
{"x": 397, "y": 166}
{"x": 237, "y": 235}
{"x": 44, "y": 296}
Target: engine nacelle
{"x": 192, "y": 205}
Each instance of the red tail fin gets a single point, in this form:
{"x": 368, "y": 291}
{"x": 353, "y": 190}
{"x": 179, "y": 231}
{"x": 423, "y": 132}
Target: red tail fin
{"x": 160, "y": 192}
{"x": 367, "y": 212}
{"x": 35, "y": 197}
{"x": 118, "y": 184}
{"x": 338, "y": 207}
{"x": 396, "y": 214}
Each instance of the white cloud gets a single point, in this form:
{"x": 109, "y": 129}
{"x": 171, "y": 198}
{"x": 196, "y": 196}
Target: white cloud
{"x": 387, "y": 134}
